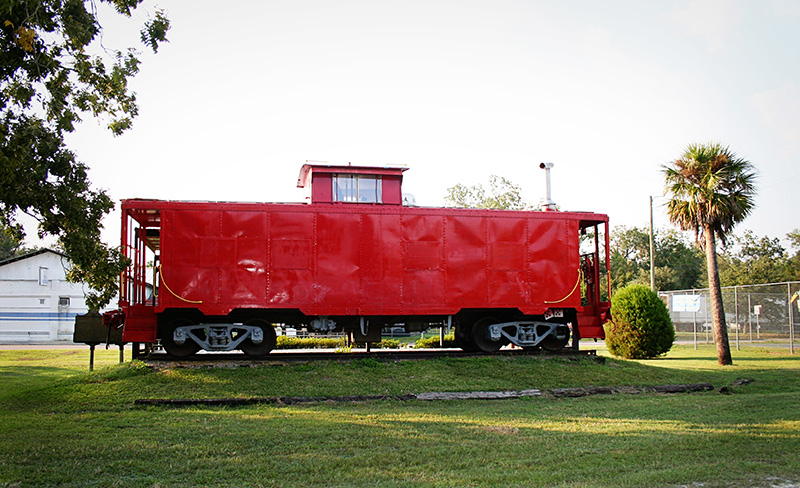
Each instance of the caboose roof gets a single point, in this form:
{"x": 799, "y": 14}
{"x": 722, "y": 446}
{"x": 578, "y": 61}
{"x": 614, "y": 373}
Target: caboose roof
{"x": 309, "y": 168}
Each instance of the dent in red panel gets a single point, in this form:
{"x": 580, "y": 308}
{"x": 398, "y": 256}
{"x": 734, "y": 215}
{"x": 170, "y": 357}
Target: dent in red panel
{"x": 507, "y": 230}
{"x": 422, "y": 228}
{"x": 466, "y": 238}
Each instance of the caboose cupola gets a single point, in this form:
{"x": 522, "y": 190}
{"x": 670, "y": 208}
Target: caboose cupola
{"x": 352, "y": 184}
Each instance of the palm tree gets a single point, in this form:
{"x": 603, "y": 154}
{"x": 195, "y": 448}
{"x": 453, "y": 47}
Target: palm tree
{"x": 710, "y": 190}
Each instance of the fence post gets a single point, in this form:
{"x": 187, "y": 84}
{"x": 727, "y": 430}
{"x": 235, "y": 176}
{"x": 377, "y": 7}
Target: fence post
{"x": 791, "y": 318}
{"x": 749, "y": 317}
{"x": 736, "y": 315}
{"x": 694, "y": 323}
{"x": 705, "y": 315}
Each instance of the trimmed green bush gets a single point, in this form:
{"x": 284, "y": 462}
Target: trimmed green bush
{"x": 389, "y": 344}
{"x": 641, "y": 327}
{"x": 433, "y": 342}
{"x": 286, "y": 342}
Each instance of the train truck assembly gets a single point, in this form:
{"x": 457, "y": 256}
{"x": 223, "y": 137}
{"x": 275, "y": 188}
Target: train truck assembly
{"x": 220, "y": 276}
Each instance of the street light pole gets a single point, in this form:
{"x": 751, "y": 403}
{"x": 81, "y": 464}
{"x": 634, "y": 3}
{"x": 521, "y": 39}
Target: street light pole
{"x": 652, "y": 254}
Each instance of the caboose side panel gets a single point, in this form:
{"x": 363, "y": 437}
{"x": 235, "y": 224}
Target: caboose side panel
{"x": 336, "y": 282}
{"x": 508, "y": 280}
{"x": 553, "y": 264}
{"x": 466, "y": 269}
{"x": 290, "y": 248}
{"x": 423, "y": 256}
{"x": 329, "y": 262}
{"x": 381, "y": 264}
{"x": 244, "y": 280}
{"x": 191, "y": 251}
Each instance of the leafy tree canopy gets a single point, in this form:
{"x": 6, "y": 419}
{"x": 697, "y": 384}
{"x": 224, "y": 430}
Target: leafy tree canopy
{"x": 794, "y": 260}
{"x": 711, "y": 190}
{"x": 502, "y": 194}
{"x": 48, "y": 81}
{"x": 678, "y": 263}
{"x": 750, "y": 259}
{"x": 10, "y": 245}
{"x": 746, "y": 259}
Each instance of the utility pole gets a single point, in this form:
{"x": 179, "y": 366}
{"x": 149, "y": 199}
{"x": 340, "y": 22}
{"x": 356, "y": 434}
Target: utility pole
{"x": 652, "y": 253}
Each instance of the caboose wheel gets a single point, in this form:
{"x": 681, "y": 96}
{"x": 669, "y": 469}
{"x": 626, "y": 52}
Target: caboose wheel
{"x": 463, "y": 337}
{"x": 266, "y": 345}
{"x": 188, "y": 348}
{"x": 556, "y": 341}
{"x": 480, "y": 333}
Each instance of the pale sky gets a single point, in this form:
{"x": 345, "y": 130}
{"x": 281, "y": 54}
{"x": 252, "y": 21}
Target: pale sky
{"x": 243, "y": 95}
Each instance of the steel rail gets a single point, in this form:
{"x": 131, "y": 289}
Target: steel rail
{"x": 386, "y": 355}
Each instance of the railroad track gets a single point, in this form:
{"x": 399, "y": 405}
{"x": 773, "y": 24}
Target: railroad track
{"x": 288, "y": 355}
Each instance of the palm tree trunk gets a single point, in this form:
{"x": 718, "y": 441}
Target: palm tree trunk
{"x": 717, "y": 309}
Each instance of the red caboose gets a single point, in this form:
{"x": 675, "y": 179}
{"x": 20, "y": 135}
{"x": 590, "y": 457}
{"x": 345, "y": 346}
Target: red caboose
{"x": 355, "y": 259}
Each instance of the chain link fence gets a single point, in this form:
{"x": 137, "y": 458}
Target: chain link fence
{"x": 764, "y": 314}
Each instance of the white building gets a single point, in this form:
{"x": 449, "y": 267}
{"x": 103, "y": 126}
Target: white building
{"x": 37, "y": 303}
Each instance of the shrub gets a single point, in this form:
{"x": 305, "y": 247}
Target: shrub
{"x": 285, "y": 342}
{"x": 641, "y": 327}
{"x": 389, "y": 344}
{"x": 433, "y": 342}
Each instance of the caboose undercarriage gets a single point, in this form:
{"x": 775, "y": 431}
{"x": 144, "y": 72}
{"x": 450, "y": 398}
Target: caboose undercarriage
{"x": 183, "y": 333}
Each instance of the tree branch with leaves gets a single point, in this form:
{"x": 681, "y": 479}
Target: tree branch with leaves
{"x": 48, "y": 82}
{"x": 502, "y": 194}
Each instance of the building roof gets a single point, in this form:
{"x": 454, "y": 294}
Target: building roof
{"x": 30, "y": 255}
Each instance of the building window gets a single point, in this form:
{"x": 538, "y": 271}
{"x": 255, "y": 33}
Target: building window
{"x": 63, "y": 302}
{"x": 357, "y": 189}
{"x": 43, "y": 276}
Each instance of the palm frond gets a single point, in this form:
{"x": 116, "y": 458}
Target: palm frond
{"x": 709, "y": 188}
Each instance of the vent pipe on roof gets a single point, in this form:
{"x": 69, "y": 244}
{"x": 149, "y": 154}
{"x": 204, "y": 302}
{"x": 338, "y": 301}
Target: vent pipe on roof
{"x": 548, "y": 204}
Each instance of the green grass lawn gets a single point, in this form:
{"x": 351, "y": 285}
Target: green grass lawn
{"x": 61, "y": 425}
